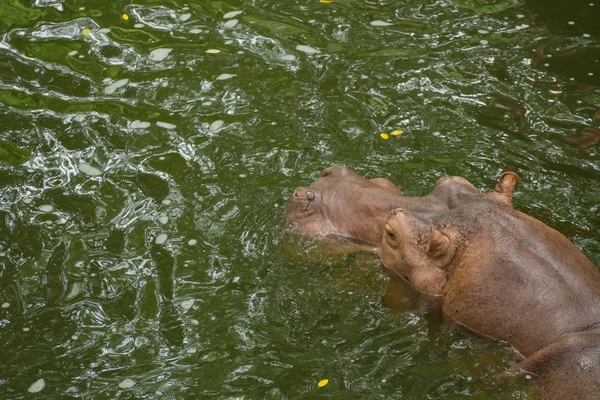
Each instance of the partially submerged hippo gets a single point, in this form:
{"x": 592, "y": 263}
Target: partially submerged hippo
{"x": 342, "y": 203}
{"x": 506, "y": 275}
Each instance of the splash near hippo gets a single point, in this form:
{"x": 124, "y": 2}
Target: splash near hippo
{"x": 496, "y": 271}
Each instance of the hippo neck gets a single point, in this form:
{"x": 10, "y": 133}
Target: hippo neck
{"x": 520, "y": 281}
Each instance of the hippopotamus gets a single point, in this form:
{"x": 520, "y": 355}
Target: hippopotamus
{"x": 505, "y": 275}
{"x": 342, "y": 203}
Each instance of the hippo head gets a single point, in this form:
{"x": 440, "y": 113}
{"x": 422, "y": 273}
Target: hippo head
{"x": 422, "y": 246}
{"x": 343, "y": 203}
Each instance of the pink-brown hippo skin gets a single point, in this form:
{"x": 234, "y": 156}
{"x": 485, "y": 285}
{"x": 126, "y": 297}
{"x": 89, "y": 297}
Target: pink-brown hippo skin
{"x": 342, "y": 203}
{"x": 506, "y": 275}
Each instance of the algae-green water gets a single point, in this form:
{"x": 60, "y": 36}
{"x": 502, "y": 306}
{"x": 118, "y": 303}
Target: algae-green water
{"x": 147, "y": 149}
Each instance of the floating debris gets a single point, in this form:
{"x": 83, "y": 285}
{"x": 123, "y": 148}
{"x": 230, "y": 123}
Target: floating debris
{"x": 125, "y": 17}
{"x": 127, "y": 383}
{"x": 323, "y": 382}
{"x": 165, "y": 125}
{"x": 232, "y": 14}
{"x": 138, "y": 25}
{"x": 86, "y": 32}
{"x": 213, "y": 51}
{"x": 187, "y": 304}
{"x": 381, "y": 23}
{"x": 397, "y": 132}
{"x": 223, "y": 77}
{"x": 192, "y": 242}
{"x": 384, "y": 136}
{"x": 307, "y": 49}
{"x": 161, "y": 239}
{"x": 185, "y": 17}
{"x": 89, "y": 170}
{"x": 325, "y": 1}
{"x": 137, "y": 124}
{"x": 46, "y": 208}
{"x": 231, "y": 23}
{"x": 37, "y": 386}
{"x": 110, "y": 89}
{"x": 160, "y": 54}
{"x": 216, "y": 125}
{"x": 72, "y": 53}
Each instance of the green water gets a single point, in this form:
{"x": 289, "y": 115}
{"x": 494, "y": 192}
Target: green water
{"x": 143, "y": 179}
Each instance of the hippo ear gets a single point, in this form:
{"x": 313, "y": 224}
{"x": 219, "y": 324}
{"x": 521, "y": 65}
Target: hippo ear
{"x": 507, "y": 183}
{"x": 441, "y": 248}
{"x": 386, "y": 184}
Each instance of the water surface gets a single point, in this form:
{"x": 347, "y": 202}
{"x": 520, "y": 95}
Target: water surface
{"x": 147, "y": 149}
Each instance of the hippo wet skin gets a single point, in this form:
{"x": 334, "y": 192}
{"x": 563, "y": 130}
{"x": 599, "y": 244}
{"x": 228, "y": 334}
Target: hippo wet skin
{"x": 508, "y": 276}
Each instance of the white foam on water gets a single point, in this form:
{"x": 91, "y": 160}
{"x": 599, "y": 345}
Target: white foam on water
{"x": 187, "y": 304}
{"x": 37, "y": 386}
{"x": 195, "y": 322}
{"x": 288, "y": 57}
{"x": 27, "y": 200}
{"x": 213, "y": 51}
{"x": 232, "y": 14}
{"x": 483, "y": 31}
{"x": 160, "y": 54}
{"x": 231, "y": 23}
{"x": 307, "y": 49}
{"x": 137, "y": 124}
{"x": 89, "y": 170}
{"x": 223, "y": 77}
{"x": 110, "y": 89}
{"x": 185, "y": 17}
{"x": 5, "y": 305}
{"x": 195, "y": 30}
{"x": 163, "y": 220}
{"x": 381, "y": 23}
{"x": 127, "y": 383}
{"x": 191, "y": 350}
{"x": 46, "y": 208}
{"x": 216, "y": 125}
{"x": 165, "y": 125}
{"x": 138, "y": 26}
{"x": 483, "y": 42}
{"x": 103, "y": 30}
{"x": 192, "y": 242}
{"x": 72, "y": 53}
{"x": 166, "y": 202}
{"x": 161, "y": 239}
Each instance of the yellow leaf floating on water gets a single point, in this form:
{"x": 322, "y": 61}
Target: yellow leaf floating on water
{"x": 125, "y": 17}
{"x": 323, "y": 382}
{"x": 384, "y": 136}
{"x": 325, "y": 1}
{"x": 86, "y": 32}
{"x": 396, "y": 133}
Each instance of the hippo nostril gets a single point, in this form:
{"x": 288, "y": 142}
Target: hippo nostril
{"x": 395, "y": 211}
{"x": 310, "y": 196}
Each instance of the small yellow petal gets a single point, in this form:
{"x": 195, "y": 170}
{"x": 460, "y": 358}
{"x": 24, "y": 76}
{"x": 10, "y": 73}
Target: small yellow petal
{"x": 396, "y": 133}
{"x": 86, "y": 32}
{"x": 384, "y": 136}
{"x": 125, "y": 17}
{"x": 325, "y": 1}
{"x": 323, "y": 382}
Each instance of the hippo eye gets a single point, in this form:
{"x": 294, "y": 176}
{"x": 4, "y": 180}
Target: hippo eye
{"x": 310, "y": 196}
{"x": 391, "y": 235}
